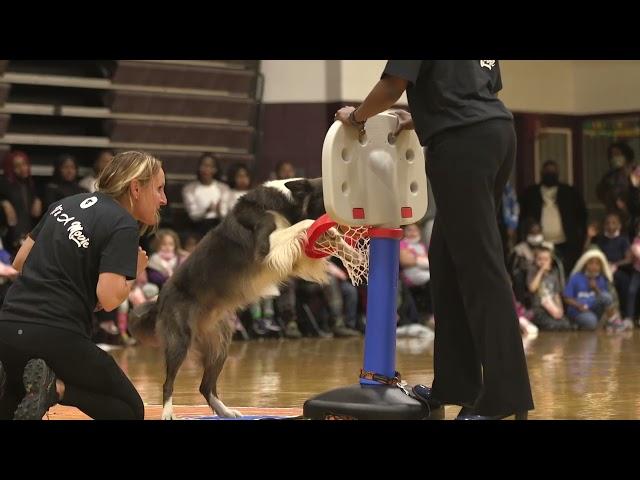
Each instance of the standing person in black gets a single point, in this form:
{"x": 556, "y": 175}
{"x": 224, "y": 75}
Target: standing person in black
{"x": 479, "y": 360}
{"x": 561, "y": 211}
{"x": 82, "y": 256}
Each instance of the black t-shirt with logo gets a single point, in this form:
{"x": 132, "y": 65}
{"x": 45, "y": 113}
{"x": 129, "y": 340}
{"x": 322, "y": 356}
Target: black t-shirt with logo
{"x": 77, "y": 239}
{"x": 445, "y": 94}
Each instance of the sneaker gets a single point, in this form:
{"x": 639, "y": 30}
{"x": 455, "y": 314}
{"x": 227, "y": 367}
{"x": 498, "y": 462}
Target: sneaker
{"x": 263, "y": 326}
{"x": 292, "y": 331}
{"x": 270, "y": 325}
{"x": 259, "y": 327}
{"x": 3, "y": 380}
{"x": 341, "y": 332}
{"x": 325, "y": 334}
{"x": 128, "y": 340}
{"x": 617, "y": 325}
{"x": 628, "y": 324}
{"x": 40, "y": 391}
{"x": 238, "y": 328}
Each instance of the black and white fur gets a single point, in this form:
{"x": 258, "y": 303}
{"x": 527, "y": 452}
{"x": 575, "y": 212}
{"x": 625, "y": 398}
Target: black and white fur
{"x": 254, "y": 249}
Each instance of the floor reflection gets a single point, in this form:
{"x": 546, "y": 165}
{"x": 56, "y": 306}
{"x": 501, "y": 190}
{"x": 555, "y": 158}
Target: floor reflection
{"x": 574, "y": 375}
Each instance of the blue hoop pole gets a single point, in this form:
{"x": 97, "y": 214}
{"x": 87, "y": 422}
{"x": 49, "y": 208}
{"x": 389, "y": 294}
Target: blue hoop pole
{"x": 380, "y": 334}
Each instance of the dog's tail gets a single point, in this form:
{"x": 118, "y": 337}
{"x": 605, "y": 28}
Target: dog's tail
{"x": 142, "y": 322}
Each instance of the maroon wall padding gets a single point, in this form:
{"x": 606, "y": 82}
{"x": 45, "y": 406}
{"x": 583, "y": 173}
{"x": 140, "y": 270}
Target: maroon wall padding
{"x": 293, "y": 132}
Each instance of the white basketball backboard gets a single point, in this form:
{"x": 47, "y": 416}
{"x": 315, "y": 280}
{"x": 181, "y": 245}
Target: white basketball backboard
{"x": 376, "y": 179}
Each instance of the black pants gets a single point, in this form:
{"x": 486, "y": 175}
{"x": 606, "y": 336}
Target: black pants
{"x": 545, "y": 321}
{"x": 478, "y": 354}
{"x": 93, "y": 381}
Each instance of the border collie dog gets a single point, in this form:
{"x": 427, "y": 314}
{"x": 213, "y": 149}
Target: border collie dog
{"x": 253, "y": 250}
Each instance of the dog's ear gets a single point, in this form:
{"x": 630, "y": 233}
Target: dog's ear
{"x": 299, "y": 188}
{"x": 315, "y": 183}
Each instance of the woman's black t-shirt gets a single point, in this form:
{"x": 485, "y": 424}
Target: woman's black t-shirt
{"x": 77, "y": 239}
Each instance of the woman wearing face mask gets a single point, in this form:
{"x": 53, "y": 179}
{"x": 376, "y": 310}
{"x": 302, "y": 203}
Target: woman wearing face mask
{"x": 618, "y": 188}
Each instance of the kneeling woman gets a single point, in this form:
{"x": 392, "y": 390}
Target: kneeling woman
{"x": 82, "y": 256}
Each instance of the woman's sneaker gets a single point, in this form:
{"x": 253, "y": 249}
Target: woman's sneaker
{"x": 40, "y": 391}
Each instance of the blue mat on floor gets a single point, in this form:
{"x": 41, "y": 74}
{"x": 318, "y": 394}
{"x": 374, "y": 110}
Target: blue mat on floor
{"x": 246, "y": 417}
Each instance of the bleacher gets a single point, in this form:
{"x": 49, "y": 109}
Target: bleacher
{"x": 174, "y": 109}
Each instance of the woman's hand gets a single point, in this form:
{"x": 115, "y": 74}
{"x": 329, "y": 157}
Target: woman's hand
{"x": 10, "y": 213}
{"x": 343, "y": 115}
{"x": 405, "y": 121}
{"x": 143, "y": 261}
{"x": 36, "y": 207}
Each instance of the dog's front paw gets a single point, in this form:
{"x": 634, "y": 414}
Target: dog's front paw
{"x": 229, "y": 413}
{"x": 169, "y": 416}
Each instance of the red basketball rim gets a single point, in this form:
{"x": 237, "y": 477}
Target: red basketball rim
{"x": 314, "y": 232}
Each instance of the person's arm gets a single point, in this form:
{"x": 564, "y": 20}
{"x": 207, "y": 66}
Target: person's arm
{"x": 593, "y": 285}
{"x": 628, "y": 257}
{"x": 574, "y": 303}
{"x": 114, "y": 288}
{"x": 121, "y": 261}
{"x": 558, "y": 301}
{"x": 194, "y": 211}
{"x": 396, "y": 78}
{"x": 10, "y": 213}
{"x": 407, "y": 258}
{"x": 23, "y": 253}
{"x": 570, "y": 295}
{"x": 226, "y": 202}
{"x": 383, "y": 96}
{"x": 591, "y": 237}
{"x": 36, "y": 207}
{"x": 219, "y": 206}
{"x": 535, "y": 283}
{"x": 27, "y": 245}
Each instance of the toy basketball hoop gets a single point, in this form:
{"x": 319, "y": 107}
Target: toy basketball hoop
{"x": 350, "y": 244}
{"x": 372, "y": 184}
{"x": 376, "y": 179}
{"x": 371, "y": 180}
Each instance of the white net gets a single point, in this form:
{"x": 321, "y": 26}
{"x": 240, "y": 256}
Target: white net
{"x": 351, "y": 246}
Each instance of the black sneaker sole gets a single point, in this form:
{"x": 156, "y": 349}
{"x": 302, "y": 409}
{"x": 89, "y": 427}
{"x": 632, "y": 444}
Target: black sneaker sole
{"x": 40, "y": 391}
